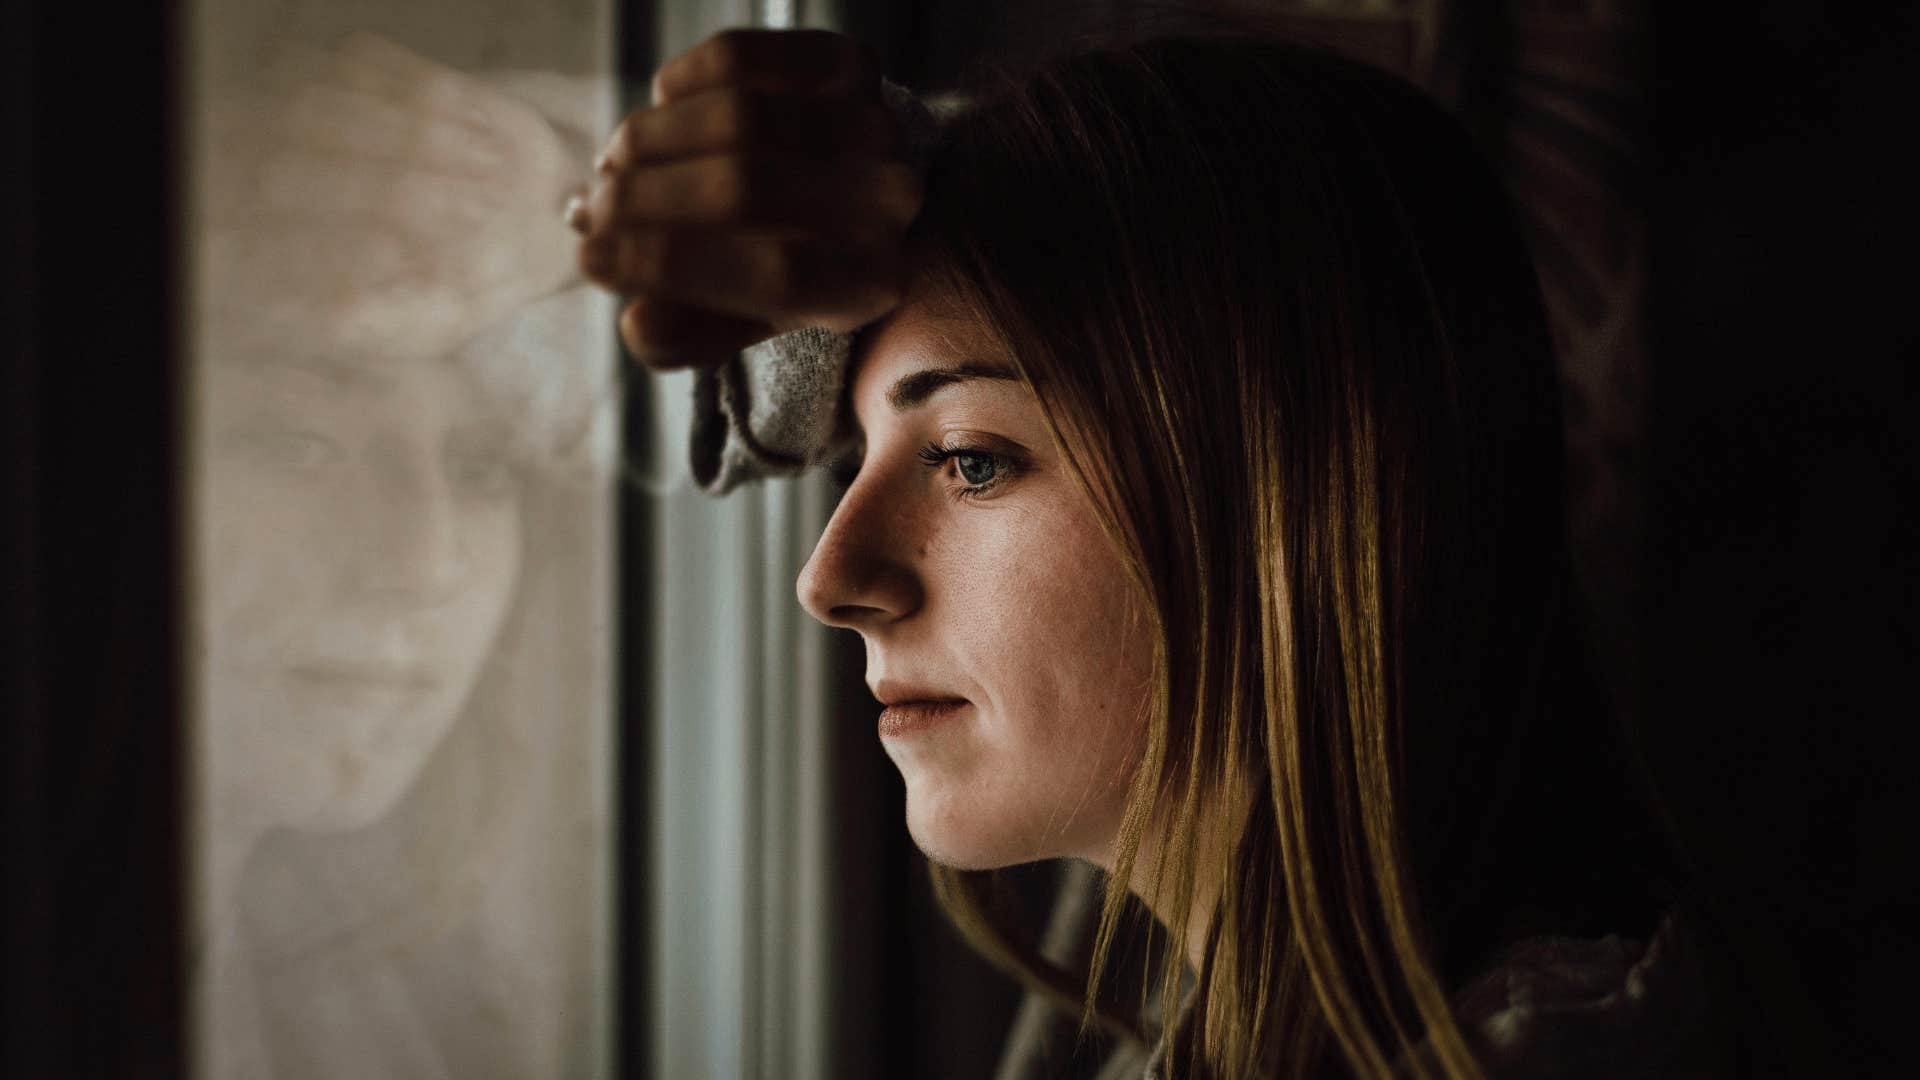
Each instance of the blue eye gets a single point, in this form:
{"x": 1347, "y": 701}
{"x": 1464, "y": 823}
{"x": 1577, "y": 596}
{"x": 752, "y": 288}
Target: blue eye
{"x": 978, "y": 468}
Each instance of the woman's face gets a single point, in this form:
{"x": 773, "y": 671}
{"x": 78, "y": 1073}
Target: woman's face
{"x": 360, "y": 539}
{"x": 977, "y": 576}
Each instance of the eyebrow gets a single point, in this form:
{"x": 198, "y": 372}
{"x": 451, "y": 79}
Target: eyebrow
{"x": 912, "y": 390}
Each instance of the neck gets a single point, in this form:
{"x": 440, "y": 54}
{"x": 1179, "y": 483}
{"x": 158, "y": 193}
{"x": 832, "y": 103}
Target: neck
{"x": 1210, "y": 848}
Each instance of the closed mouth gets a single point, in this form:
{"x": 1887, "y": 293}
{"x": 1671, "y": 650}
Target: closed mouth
{"x": 903, "y": 717}
{"x": 890, "y": 693}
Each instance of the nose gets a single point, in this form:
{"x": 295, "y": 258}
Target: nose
{"x": 412, "y": 548}
{"x": 860, "y": 575}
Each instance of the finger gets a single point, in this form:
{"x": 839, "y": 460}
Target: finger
{"x": 793, "y": 61}
{"x": 777, "y": 192}
{"x": 733, "y": 118}
{"x": 664, "y": 335}
{"x": 784, "y": 283}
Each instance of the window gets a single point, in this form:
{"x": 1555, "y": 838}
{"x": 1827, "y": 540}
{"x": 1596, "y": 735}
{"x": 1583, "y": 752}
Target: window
{"x": 401, "y": 462}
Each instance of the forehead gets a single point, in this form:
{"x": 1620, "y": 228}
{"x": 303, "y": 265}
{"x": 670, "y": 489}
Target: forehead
{"x": 928, "y": 330}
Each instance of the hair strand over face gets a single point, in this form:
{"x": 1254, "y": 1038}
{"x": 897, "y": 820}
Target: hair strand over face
{"x": 1299, "y": 367}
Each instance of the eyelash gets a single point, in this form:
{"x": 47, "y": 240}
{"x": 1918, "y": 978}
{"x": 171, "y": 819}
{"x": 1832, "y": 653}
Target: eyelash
{"x": 935, "y": 456}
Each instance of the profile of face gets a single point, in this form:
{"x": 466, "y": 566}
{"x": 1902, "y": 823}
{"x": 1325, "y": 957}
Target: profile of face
{"x": 999, "y": 624}
{"x": 359, "y": 531}
{"x": 359, "y": 518}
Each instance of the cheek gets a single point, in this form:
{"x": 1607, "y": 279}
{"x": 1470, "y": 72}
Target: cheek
{"x": 1046, "y": 626}
{"x": 261, "y": 549}
{"x": 491, "y": 531}
{"x": 1060, "y": 645}
{"x": 1099, "y": 668}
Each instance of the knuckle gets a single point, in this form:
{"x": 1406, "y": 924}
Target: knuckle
{"x": 726, "y": 53}
{"x": 738, "y": 119}
{"x": 650, "y": 258}
{"x": 733, "y": 186}
{"x": 595, "y": 261}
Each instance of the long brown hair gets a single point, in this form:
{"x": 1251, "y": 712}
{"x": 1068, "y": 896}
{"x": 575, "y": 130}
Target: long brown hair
{"x": 1290, "y": 343}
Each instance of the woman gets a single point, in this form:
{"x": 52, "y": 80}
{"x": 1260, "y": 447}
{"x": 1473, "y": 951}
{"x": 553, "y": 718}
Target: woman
{"x": 1205, "y": 526}
{"x": 398, "y": 486}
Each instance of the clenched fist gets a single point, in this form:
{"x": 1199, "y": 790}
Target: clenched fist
{"x": 765, "y": 189}
{"x": 363, "y": 200}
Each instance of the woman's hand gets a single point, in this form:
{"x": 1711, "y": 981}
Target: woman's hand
{"x": 365, "y": 200}
{"x": 763, "y": 191}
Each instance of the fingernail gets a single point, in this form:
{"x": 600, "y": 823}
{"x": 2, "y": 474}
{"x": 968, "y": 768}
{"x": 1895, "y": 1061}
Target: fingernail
{"x": 576, "y": 214}
{"x": 603, "y": 164}
{"x": 653, "y": 90}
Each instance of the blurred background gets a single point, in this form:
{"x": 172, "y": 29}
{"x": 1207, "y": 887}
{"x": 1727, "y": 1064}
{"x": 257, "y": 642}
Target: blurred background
{"x": 383, "y": 700}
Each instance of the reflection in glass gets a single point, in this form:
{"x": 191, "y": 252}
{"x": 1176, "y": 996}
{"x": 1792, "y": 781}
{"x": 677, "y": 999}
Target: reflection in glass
{"x": 401, "y": 544}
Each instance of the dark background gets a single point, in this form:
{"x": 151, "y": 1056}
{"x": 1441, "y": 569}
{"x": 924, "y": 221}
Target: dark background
{"x": 1726, "y": 239}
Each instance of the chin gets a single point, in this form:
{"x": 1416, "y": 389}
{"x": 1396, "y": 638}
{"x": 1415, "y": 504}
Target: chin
{"x": 344, "y": 794}
{"x": 341, "y": 783}
{"x": 962, "y": 834}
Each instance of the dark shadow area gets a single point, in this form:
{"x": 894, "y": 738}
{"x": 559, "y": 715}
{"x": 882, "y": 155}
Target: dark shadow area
{"x": 1780, "y": 591}
{"x": 94, "y": 946}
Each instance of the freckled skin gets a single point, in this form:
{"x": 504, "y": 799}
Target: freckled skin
{"x": 1013, "y": 600}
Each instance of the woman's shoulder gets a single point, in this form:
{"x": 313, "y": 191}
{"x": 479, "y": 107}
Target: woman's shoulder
{"x": 1553, "y": 1005}
{"x": 1560, "y": 1006}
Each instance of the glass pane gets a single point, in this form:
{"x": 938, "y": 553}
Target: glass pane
{"x": 402, "y": 446}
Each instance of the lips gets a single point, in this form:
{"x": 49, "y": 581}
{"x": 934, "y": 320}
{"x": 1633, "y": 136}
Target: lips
{"x": 913, "y": 707}
{"x": 891, "y": 692}
{"x": 910, "y": 717}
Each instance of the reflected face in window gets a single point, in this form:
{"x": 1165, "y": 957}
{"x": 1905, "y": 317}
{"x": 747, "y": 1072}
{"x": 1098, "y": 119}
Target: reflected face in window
{"x": 361, "y": 539}
{"x": 998, "y": 622}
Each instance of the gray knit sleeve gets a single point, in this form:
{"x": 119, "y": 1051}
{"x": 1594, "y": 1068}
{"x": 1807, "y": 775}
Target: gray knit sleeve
{"x": 772, "y": 409}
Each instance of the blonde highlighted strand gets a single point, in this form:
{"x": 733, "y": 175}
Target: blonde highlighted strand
{"x": 1300, "y": 371}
